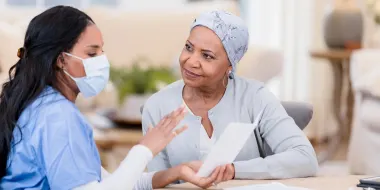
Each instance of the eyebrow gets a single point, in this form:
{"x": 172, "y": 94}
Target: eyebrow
{"x": 94, "y": 46}
{"x": 206, "y": 50}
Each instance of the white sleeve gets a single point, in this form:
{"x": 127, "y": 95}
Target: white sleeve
{"x": 129, "y": 175}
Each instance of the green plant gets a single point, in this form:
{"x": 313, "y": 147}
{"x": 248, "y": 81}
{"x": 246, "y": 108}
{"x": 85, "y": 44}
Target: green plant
{"x": 137, "y": 80}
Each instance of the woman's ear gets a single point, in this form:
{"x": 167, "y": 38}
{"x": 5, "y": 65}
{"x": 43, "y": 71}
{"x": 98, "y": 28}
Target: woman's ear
{"x": 60, "y": 62}
{"x": 229, "y": 70}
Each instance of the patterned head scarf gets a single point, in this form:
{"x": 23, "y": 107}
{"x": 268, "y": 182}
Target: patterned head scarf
{"x": 231, "y": 30}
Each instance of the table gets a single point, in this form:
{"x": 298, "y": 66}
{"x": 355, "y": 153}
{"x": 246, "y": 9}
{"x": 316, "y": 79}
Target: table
{"x": 340, "y": 62}
{"x": 315, "y": 183}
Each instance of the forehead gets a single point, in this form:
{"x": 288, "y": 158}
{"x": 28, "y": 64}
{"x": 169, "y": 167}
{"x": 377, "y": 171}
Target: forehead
{"x": 91, "y": 36}
{"x": 204, "y": 37}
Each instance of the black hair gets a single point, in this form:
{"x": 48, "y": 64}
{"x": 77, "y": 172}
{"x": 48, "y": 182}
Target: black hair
{"x": 50, "y": 33}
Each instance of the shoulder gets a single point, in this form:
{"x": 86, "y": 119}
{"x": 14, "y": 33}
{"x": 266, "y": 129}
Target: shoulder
{"x": 49, "y": 109}
{"x": 254, "y": 93}
{"x": 54, "y": 104}
{"x": 247, "y": 86}
{"x": 161, "y": 103}
{"x": 171, "y": 92}
{"x": 50, "y": 117}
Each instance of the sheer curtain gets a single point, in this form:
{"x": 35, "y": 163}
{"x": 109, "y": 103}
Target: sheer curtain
{"x": 41, "y": 4}
{"x": 284, "y": 25}
{"x": 295, "y": 27}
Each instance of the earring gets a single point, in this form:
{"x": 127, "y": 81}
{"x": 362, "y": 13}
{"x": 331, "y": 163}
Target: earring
{"x": 230, "y": 74}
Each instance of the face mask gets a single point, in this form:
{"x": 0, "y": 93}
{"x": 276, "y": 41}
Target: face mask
{"x": 97, "y": 71}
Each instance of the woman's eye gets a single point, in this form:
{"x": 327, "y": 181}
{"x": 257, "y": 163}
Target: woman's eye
{"x": 206, "y": 56}
{"x": 188, "y": 48}
{"x": 92, "y": 54}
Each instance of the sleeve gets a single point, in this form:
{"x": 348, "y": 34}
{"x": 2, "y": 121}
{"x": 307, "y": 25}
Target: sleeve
{"x": 293, "y": 155}
{"x": 129, "y": 175}
{"x": 145, "y": 181}
{"x": 67, "y": 150}
{"x": 151, "y": 117}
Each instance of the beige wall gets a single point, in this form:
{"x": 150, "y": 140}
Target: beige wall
{"x": 159, "y": 35}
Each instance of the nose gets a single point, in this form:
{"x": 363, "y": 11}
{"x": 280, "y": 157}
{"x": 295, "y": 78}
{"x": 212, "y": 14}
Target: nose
{"x": 193, "y": 61}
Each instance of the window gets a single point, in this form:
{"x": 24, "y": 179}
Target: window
{"x": 21, "y": 2}
{"x": 51, "y": 3}
{"x": 105, "y": 2}
{"x": 197, "y": 0}
{"x": 284, "y": 25}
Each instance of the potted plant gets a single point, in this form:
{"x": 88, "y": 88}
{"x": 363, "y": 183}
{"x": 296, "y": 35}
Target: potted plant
{"x": 136, "y": 84}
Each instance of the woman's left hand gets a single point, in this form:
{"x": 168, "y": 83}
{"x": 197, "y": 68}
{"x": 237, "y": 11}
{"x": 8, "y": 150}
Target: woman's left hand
{"x": 227, "y": 172}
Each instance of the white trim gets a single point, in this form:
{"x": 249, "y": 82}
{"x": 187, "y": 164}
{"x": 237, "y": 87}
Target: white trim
{"x": 304, "y": 33}
{"x": 288, "y": 39}
{"x": 40, "y": 4}
{"x": 3, "y": 4}
{"x": 85, "y": 4}
{"x": 285, "y": 25}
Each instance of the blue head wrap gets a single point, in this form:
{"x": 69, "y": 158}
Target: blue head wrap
{"x": 230, "y": 29}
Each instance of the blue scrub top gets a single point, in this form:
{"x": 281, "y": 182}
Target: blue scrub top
{"x": 55, "y": 149}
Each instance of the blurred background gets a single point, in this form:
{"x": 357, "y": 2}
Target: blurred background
{"x": 323, "y": 52}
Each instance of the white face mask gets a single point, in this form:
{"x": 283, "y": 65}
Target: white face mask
{"x": 97, "y": 71}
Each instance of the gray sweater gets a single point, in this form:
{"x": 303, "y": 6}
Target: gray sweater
{"x": 293, "y": 155}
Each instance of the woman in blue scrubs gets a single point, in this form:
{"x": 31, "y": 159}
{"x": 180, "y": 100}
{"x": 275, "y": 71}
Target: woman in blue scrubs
{"x": 45, "y": 142}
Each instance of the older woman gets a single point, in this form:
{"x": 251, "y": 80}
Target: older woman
{"x": 216, "y": 97}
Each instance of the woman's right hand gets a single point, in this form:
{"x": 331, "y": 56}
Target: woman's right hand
{"x": 188, "y": 173}
{"x": 158, "y": 137}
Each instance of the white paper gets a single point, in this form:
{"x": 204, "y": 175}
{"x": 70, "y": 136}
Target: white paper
{"x": 269, "y": 186}
{"x": 228, "y": 146}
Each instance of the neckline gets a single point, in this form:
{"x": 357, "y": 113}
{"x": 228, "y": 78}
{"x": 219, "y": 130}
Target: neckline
{"x": 203, "y": 130}
{"x": 229, "y": 84}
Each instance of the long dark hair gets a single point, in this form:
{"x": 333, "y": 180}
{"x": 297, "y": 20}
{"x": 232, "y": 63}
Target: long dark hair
{"x": 50, "y": 33}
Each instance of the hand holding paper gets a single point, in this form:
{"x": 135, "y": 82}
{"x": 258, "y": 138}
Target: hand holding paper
{"x": 228, "y": 146}
{"x": 226, "y": 173}
{"x": 188, "y": 174}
